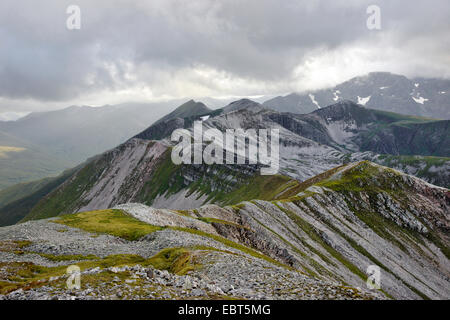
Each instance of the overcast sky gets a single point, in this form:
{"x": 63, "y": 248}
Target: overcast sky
{"x": 138, "y": 50}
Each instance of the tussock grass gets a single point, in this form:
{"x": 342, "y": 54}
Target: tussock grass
{"x": 113, "y": 222}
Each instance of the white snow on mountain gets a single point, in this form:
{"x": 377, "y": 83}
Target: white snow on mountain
{"x": 313, "y": 100}
{"x": 363, "y": 101}
{"x": 420, "y": 100}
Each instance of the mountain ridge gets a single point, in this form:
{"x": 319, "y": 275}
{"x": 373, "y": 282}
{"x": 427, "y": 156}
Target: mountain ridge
{"x": 377, "y": 90}
{"x": 140, "y": 170}
{"x": 327, "y": 231}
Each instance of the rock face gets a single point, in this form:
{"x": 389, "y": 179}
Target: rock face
{"x": 314, "y": 240}
{"x": 349, "y": 126}
{"x": 377, "y": 90}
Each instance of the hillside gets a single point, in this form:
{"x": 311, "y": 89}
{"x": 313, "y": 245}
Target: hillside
{"x": 140, "y": 170}
{"x": 313, "y": 240}
{"x": 349, "y": 126}
{"x": 50, "y": 142}
{"x": 17, "y": 201}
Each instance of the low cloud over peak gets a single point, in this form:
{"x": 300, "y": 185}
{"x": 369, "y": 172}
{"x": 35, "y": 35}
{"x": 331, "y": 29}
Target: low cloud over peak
{"x": 135, "y": 50}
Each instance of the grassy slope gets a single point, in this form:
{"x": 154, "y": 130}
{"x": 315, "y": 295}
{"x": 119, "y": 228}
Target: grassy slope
{"x": 21, "y": 190}
{"x": 213, "y": 182}
{"x": 20, "y": 204}
{"x": 411, "y": 135}
{"x": 428, "y": 167}
{"x": 372, "y": 180}
{"x": 396, "y": 117}
{"x": 66, "y": 197}
{"x": 28, "y": 163}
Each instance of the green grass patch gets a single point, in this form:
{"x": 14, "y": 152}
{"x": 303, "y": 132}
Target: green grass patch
{"x": 68, "y": 257}
{"x": 112, "y": 221}
{"x": 175, "y": 260}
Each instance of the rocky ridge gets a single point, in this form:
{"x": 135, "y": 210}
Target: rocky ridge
{"x": 314, "y": 240}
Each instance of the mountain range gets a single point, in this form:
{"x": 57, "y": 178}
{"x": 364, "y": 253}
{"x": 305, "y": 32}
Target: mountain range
{"x": 309, "y": 145}
{"x": 43, "y": 144}
{"x": 426, "y": 97}
{"x": 357, "y": 188}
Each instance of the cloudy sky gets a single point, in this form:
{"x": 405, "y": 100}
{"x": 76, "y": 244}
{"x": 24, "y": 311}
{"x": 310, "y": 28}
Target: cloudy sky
{"x": 138, "y": 50}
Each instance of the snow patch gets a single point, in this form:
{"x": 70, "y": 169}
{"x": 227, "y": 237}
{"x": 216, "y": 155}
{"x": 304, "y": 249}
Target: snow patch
{"x": 363, "y": 101}
{"x": 313, "y": 99}
{"x": 420, "y": 100}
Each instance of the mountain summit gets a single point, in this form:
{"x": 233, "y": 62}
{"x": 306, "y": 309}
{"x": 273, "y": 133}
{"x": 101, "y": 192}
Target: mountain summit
{"x": 377, "y": 90}
{"x": 188, "y": 109}
{"x": 242, "y": 104}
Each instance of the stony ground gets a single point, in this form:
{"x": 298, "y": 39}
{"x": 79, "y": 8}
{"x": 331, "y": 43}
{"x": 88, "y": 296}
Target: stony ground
{"x": 221, "y": 272}
{"x": 317, "y": 241}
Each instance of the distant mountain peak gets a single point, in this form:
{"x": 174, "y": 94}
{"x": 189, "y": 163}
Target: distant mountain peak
{"x": 425, "y": 97}
{"x": 242, "y": 104}
{"x": 187, "y": 109}
{"x": 342, "y": 109}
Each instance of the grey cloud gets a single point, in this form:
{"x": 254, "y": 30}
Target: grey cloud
{"x": 124, "y": 43}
